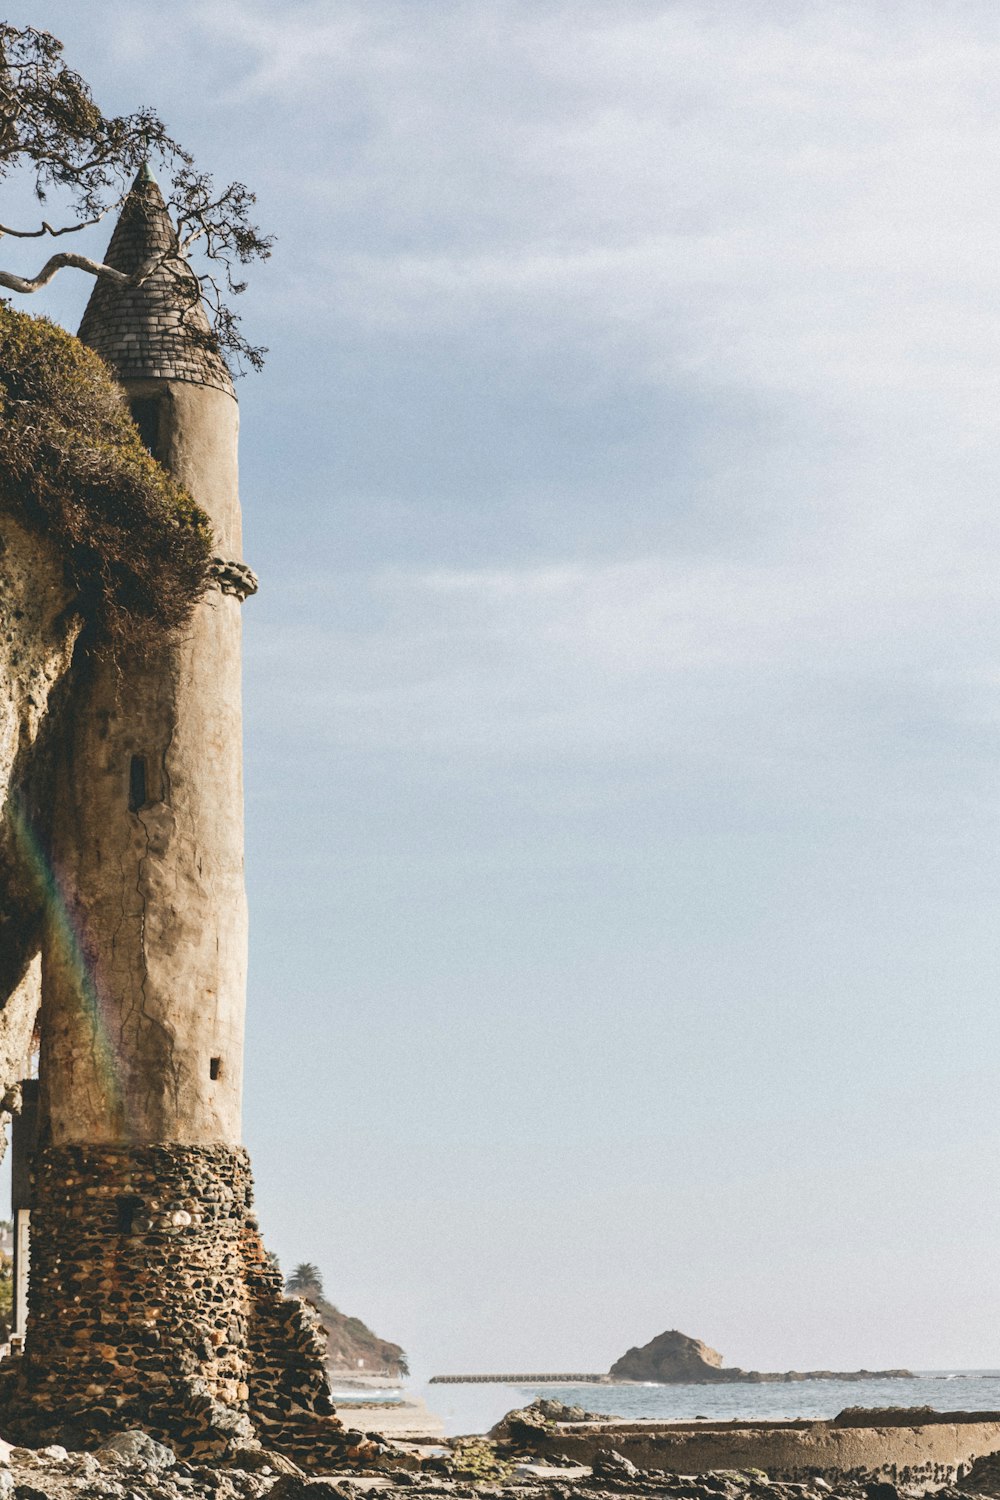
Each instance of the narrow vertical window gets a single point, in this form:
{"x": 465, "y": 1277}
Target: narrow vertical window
{"x": 137, "y": 783}
{"x": 126, "y": 1210}
{"x": 215, "y": 1069}
{"x": 146, "y": 416}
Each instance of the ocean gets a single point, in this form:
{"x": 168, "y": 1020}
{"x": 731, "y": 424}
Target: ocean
{"x": 475, "y": 1408}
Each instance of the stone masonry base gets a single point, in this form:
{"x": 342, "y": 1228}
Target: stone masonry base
{"x": 153, "y": 1304}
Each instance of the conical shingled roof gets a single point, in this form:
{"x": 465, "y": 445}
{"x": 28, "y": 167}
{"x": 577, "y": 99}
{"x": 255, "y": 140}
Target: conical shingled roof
{"x": 139, "y": 330}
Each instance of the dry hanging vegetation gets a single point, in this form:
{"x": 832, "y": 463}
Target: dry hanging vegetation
{"x": 135, "y": 545}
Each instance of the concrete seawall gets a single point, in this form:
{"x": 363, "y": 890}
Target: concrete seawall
{"x": 933, "y": 1450}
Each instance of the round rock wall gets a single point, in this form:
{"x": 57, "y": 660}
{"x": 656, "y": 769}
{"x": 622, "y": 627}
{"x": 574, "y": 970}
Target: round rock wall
{"x": 153, "y": 1304}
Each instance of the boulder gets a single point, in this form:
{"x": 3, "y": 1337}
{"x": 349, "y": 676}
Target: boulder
{"x": 610, "y": 1464}
{"x": 526, "y": 1423}
{"x": 136, "y": 1447}
{"x": 261, "y": 1460}
{"x": 288, "y": 1487}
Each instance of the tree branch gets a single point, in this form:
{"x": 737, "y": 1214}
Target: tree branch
{"x": 35, "y": 234}
{"x": 51, "y": 126}
{"x": 57, "y": 263}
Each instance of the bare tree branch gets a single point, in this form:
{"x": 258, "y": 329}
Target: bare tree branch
{"x": 51, "y": 128}
{"x": 35, "y": 234}
{"x": 57, "y": 263}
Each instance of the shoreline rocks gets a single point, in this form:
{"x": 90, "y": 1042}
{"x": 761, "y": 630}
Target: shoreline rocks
{"x": 125, "y": 1470}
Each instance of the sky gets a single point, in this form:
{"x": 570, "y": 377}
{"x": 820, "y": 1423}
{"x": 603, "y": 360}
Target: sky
{"x": 622, "y": 694}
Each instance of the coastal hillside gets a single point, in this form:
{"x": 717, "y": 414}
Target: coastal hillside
{"x": 352, "y": 1346}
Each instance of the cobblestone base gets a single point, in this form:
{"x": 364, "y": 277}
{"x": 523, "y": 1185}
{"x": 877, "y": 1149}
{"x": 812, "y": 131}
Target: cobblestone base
{"x": 289, "y": 1388}
{"x": 153, "y": 1304}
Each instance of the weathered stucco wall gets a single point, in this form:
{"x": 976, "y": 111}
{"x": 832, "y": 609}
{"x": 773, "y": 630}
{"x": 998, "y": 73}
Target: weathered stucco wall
{"x": 38, "y": 629}
{"x": 142, "y": 1039}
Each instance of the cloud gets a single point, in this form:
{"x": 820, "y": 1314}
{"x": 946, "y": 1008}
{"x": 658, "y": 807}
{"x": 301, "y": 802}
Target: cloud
{"x": 652, "y": 659}
{"x": 799, "y": 210}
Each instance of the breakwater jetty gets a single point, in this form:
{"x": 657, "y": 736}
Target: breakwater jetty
{"x": 520, "y": 1380}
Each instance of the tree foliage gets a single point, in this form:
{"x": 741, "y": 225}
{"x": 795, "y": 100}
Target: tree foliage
{"x": 52, "y": 128}
{"x": 135, "y": 545}
{"x": 306, "y": 1280}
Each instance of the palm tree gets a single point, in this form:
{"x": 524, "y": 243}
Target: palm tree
{"x": 306, "y": 1280}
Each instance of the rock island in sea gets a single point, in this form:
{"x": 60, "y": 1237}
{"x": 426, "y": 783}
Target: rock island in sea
{"x": 674, "y": 1358}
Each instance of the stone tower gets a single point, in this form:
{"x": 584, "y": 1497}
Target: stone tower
{"x": 148, "y": 841}
{"x": 151, "y": 1300}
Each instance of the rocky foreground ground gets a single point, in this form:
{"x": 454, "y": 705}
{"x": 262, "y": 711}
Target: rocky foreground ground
{"x": 132, "y": 1466}
{"x": 500, "y": 1466}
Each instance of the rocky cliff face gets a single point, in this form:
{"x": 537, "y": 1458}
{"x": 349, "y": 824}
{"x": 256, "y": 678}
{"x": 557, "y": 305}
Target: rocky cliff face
{"x": 38, "y": 629}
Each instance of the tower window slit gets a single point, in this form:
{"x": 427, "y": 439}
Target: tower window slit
{"x": 215, "y": 1069}
{"x": 146, "y": 416}
{"x": 137, "y": 783}
{"x": 127, "y": 1208}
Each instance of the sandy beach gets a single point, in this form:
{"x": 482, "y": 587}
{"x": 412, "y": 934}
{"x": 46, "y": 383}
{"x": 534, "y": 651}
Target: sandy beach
{"x": 403, "y": 1416}
{"x": 409, "y": 1420}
